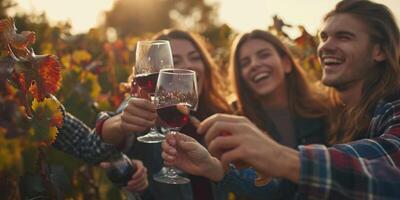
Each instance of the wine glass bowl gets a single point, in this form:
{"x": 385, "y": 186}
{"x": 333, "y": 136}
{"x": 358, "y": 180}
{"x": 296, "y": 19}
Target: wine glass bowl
{"x": 151, "y": 57}
{"x": 176, "y": 95}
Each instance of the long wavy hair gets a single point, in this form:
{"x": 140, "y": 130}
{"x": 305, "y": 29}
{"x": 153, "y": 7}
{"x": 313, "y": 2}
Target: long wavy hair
{"x": 211, "y": 100}
{"x": 304, "y": 100}
{"x": 352, "y": 123}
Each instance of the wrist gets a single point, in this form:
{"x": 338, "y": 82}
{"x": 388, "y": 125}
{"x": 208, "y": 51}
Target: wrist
{"x": 112, "y": 131}
{"x": 290, "y": 163}
{"x": 214, "y": 170}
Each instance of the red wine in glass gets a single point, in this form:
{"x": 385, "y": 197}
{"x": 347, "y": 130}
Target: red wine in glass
{"x": 174, "y": 116}
{"x": 147, "y": 82}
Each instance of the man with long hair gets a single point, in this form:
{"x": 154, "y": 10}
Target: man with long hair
{"x": 359, "y": 52}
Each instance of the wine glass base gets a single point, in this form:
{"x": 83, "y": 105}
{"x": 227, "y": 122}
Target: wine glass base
{"x": 175, "y": 180}
{"x": 151, "y": 138}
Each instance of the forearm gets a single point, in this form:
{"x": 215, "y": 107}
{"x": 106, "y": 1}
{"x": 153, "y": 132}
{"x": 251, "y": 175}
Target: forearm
{"x": 111, "y": 130}
{"x": 76, "y": 139}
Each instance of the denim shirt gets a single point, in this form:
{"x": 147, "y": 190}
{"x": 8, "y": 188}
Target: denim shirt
{"x": 308, "y": 131}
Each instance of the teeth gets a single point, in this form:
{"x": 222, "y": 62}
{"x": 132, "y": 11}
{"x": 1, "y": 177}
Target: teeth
{"x": 332, "y": 61}
{"x": 260, "y": 76}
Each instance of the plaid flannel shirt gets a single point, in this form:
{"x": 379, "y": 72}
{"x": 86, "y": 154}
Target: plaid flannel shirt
{"x": 363, "y": 169}
{"x": 78, "y": 140}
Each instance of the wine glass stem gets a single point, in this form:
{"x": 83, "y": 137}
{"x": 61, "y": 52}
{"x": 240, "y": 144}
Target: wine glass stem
{"x": 153, "y": 129}
{"x": 171, "y": 172}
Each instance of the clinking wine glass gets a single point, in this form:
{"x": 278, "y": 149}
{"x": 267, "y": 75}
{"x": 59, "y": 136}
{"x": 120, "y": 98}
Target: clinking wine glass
{"x": 175, "y": 96}
{"x": 151, "y": 57}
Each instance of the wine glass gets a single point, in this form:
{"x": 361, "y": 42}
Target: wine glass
{"x": 176, "y": 95}
{"x": 151, "y": 57}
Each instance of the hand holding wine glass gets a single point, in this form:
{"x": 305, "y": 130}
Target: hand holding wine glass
{"x": 176, "y": 92}
{"x": 185, "y": 153}
{"x": 151, "y": 57}
{"x": 247, "y": 144}
{"x": 138, "y": 115}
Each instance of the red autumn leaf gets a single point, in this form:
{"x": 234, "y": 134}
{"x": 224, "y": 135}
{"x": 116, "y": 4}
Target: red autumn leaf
{"x": 48, "y": 78}
{"x": 305, "y": 39}
{"x": 41, "y": 76}
{"x": 23, "y": 40}
{"x": 9, "y": 35}
{"x": 301, "y": 40}
{"x": 56, "y": 121}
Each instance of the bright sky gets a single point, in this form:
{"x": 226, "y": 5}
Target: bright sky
{"x": 239, "y": 14}
{"x": 252, "y": 14}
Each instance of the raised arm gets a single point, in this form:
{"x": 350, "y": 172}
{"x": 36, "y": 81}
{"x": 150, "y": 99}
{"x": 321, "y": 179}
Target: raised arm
{"x": 77, "y": 139}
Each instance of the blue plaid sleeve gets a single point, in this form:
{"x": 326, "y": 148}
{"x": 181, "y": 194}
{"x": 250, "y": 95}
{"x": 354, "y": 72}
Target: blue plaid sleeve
{"x": 78, "y": 140}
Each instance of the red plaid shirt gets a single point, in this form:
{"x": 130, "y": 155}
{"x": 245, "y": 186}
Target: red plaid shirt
{"x": 364, "y": 169}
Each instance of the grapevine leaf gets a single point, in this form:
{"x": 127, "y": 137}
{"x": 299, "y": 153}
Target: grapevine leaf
{"x": 41, "y": 76}
{"x": 9, "y": 35}
{"x": 49, "y": 76}
{"x": 46, "y": 117}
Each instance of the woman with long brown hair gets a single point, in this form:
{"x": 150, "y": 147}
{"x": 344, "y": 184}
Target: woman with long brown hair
{"x": 273, "y": 91}
{"x": 189, "y": 52}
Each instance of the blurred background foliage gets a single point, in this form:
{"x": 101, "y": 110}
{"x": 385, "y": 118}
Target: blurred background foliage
{"x": 93, "y": 66}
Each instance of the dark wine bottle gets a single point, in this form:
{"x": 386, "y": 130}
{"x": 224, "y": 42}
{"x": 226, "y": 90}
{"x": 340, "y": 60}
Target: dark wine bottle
{"x": 121, "y": 169}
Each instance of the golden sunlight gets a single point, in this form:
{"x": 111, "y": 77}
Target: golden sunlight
{"x": 240, "y": 15}
{"x": 83, "y": 14}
